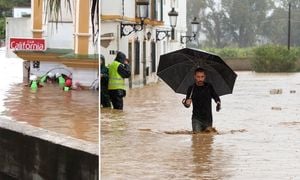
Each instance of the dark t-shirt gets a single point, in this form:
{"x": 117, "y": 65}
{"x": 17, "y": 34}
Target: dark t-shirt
{"x": 201, "y": 99}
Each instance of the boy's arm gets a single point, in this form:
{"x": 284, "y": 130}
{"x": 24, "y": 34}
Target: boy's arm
{"x": 216, "y": 98}
{"x": 214, "y": 95}
{"x": 184, "y": 101}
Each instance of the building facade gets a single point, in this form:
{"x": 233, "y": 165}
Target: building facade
{"x": 142, "y": 48}
{"x": 70, "y": 47}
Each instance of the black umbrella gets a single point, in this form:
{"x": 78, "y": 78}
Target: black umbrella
{"x": 177, "y": 70}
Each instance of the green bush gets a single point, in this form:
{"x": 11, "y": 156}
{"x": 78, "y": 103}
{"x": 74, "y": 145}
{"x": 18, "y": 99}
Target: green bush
{"x": 228, "y": 53}
{"x": 232, "y": 53}
{"x": 2, "y": 28}
{"x": 270, "y": 58}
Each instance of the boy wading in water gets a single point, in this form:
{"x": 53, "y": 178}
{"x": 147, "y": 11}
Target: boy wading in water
{"x": 200, "y": 94}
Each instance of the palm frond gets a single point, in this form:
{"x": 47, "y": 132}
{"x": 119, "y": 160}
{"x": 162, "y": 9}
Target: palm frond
{"x": 95, "y": 19}
{"x": 54, "y": 12}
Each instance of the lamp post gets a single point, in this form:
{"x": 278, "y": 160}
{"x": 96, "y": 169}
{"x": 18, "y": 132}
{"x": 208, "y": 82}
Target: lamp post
{"x": 289, "y": 27}
{"x": 195, "y": 25}
{"x": 162, "y": 34}
{"x": 141, "y": 13}
{"x": 173, "y": 21}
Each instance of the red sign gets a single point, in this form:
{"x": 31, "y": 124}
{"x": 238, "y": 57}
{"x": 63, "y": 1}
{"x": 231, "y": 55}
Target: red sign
{"x": 27, "y": 44}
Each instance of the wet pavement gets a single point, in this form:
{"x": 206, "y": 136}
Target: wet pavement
{"x": 73, "y": 113}
{"x": 259, "y": 134}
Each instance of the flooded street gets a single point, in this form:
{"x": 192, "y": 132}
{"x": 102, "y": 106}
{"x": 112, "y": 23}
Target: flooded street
{"x": 259, "y": 134}
{"x": 73, "y": 113}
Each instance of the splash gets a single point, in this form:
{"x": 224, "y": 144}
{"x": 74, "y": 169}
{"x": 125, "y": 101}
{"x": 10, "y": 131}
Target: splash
{"x": 292, "y": 123}
{"x": 210, "y": 130}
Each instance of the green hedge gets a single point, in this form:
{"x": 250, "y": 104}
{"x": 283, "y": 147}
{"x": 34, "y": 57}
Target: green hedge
{"x": 271, "y": 58}
{"x": 232, "y": 53}
{"x": 266, "y": 58}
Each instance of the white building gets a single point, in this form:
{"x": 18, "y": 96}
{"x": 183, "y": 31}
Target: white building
{"x": 19, "y": 12}
{"x": 142, "y": 50}
{"x": 69, "y": 43}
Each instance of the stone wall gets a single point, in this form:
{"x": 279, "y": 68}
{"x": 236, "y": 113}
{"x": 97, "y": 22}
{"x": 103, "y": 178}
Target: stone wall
{"x": 239, "y": 64}
{"x": 245, "y": 64}
{"x": 30, "y": 153}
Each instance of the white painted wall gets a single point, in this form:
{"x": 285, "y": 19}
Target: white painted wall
{"x": 111, "y": 7}
{"x": 110, "y": 27}
{"x": 19, "y": 11}
{"x": 50, "y": 66}
{"x": 60, "y": 37}
{"x": 13, "y": 30}
{"x": 84, "y": 76}
{"x": 129, "y": 8}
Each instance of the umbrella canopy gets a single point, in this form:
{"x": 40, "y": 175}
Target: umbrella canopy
{"x": 177, "y": 70}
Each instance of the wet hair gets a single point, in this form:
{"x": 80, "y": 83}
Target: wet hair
{"x": 102, "y": 57}
{"x": 120, "y": 57}
{"x": 200, "y": 70}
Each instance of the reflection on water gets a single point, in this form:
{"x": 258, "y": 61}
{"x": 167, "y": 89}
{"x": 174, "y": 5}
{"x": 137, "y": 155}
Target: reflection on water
{"x": 73, "y": 113}
{"x": 151, "y": 138}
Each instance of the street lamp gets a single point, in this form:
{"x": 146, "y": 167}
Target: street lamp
{"x": 195, "y": 25}
{"x": 173, "y": 21}
{"x": 162, "y": 34}
{"x": 148, "y": 35}
{"x": 141, "y": 13}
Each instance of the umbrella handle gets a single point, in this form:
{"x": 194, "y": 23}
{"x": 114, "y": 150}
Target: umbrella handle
{"x": 192, "y": 92}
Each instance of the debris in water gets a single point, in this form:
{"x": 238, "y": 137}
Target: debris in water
{"x": 276, "y": 108}
{"x": 209, "y": 130}
{"x": 276, "y": 91}
{"x": 148, "y": 130}
{"x": 179, "y": 132}
{"x": 239, "y": 130}
{"x": 293, "y": 123}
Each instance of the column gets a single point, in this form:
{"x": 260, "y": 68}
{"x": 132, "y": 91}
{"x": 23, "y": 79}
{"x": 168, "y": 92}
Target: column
{"x": 82, "y": 34}
{"x": 37, "y": 18}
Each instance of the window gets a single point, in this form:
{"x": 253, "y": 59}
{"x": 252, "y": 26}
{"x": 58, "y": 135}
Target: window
{"x": 144, "y": 63}
{"x": 130, "y": 62}
{"x": 153, "y": 56}
{"x": 157, "y": 10}
{"x": 137, "y": 57}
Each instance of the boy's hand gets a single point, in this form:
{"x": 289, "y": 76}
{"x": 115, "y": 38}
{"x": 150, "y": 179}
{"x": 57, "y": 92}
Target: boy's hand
{"x": 218, "y": 107}
{"x": 187, "y": 102}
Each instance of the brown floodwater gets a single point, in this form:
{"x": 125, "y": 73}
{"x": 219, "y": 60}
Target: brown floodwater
{"x": 74, "y": 113}
{"x": 258, "y": 134}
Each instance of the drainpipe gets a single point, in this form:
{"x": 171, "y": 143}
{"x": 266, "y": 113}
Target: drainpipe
{"x": 118, "y": 38}
{"x": 123, "y": 10}
{"x": 144, "y": 58}
{"x": 119, "y": 26}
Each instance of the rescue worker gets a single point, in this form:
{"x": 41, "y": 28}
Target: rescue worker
{"x": 34, "y": 84}
{"x": 118, "y": 71}
{"x": 61, "y": 80}
{"x": 68, "y": 85}
{"x": 49, "y": 77}
{"x": 105, "y": 101}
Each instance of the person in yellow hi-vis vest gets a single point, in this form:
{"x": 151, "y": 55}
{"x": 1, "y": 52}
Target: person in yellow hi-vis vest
{"x": 118, "y": 71}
